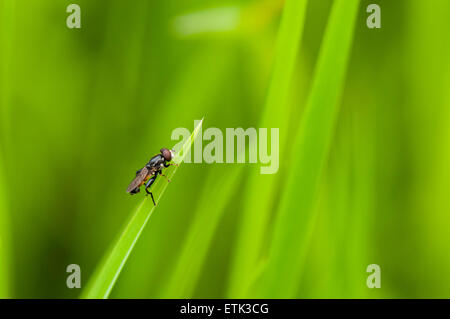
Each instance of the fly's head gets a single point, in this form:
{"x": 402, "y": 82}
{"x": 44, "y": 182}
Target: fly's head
{"x": 167, "y": 154}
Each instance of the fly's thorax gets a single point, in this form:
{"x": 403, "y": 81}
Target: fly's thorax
{"x": 156, "y": 161}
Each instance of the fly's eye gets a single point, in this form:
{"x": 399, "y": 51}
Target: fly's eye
{"x": 166, "y": 154}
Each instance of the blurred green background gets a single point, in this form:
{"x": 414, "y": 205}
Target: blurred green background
{"x": 82, "y": 109}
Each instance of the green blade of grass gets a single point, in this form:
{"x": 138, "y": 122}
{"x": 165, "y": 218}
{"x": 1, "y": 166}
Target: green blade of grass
{"x": 4, "y": 240}
{"x": 7, "y": 19}
{"x": 7, "y": 13}
{"x": 295, "y": 218}
{"x": 261, "y": 189}
{"x": 201, "y": 232}
{"x": 105, "y": 276}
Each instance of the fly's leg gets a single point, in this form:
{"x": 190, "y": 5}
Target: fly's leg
{"x": 135, "y": 191}
{"x": 151, "y": 194}
{"x": 169, "y": 164}
{"x": 149, "y": 183}
{"x": 165, "y": 177}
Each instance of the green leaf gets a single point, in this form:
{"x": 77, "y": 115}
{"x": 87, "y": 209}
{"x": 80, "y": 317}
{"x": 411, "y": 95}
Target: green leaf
{"x": 7, "y": 19}
{"x": 260, "y": 192}
{"x": 295, "y": 219}
{"x": 105, "y": 276}
{"x": 216, "y": 195}
{"x": 4, "y": 240}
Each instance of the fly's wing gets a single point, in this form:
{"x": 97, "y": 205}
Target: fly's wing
{"x": 137, "y": 181}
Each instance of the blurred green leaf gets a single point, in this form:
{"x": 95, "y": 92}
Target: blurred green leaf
{"x": 219, "y": 19}
{"x": 295, "y": 219}
{"x": 5, "y": 257}
{"x": 215, "y": 197}
{"x": 261, "y": 190}
{"x": 7, "y": 11}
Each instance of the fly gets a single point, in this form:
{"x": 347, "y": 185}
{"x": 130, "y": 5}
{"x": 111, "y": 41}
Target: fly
{"x": 147, "y": 175}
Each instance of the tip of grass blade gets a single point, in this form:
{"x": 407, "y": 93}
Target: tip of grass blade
{"x": 105, "y": 276}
